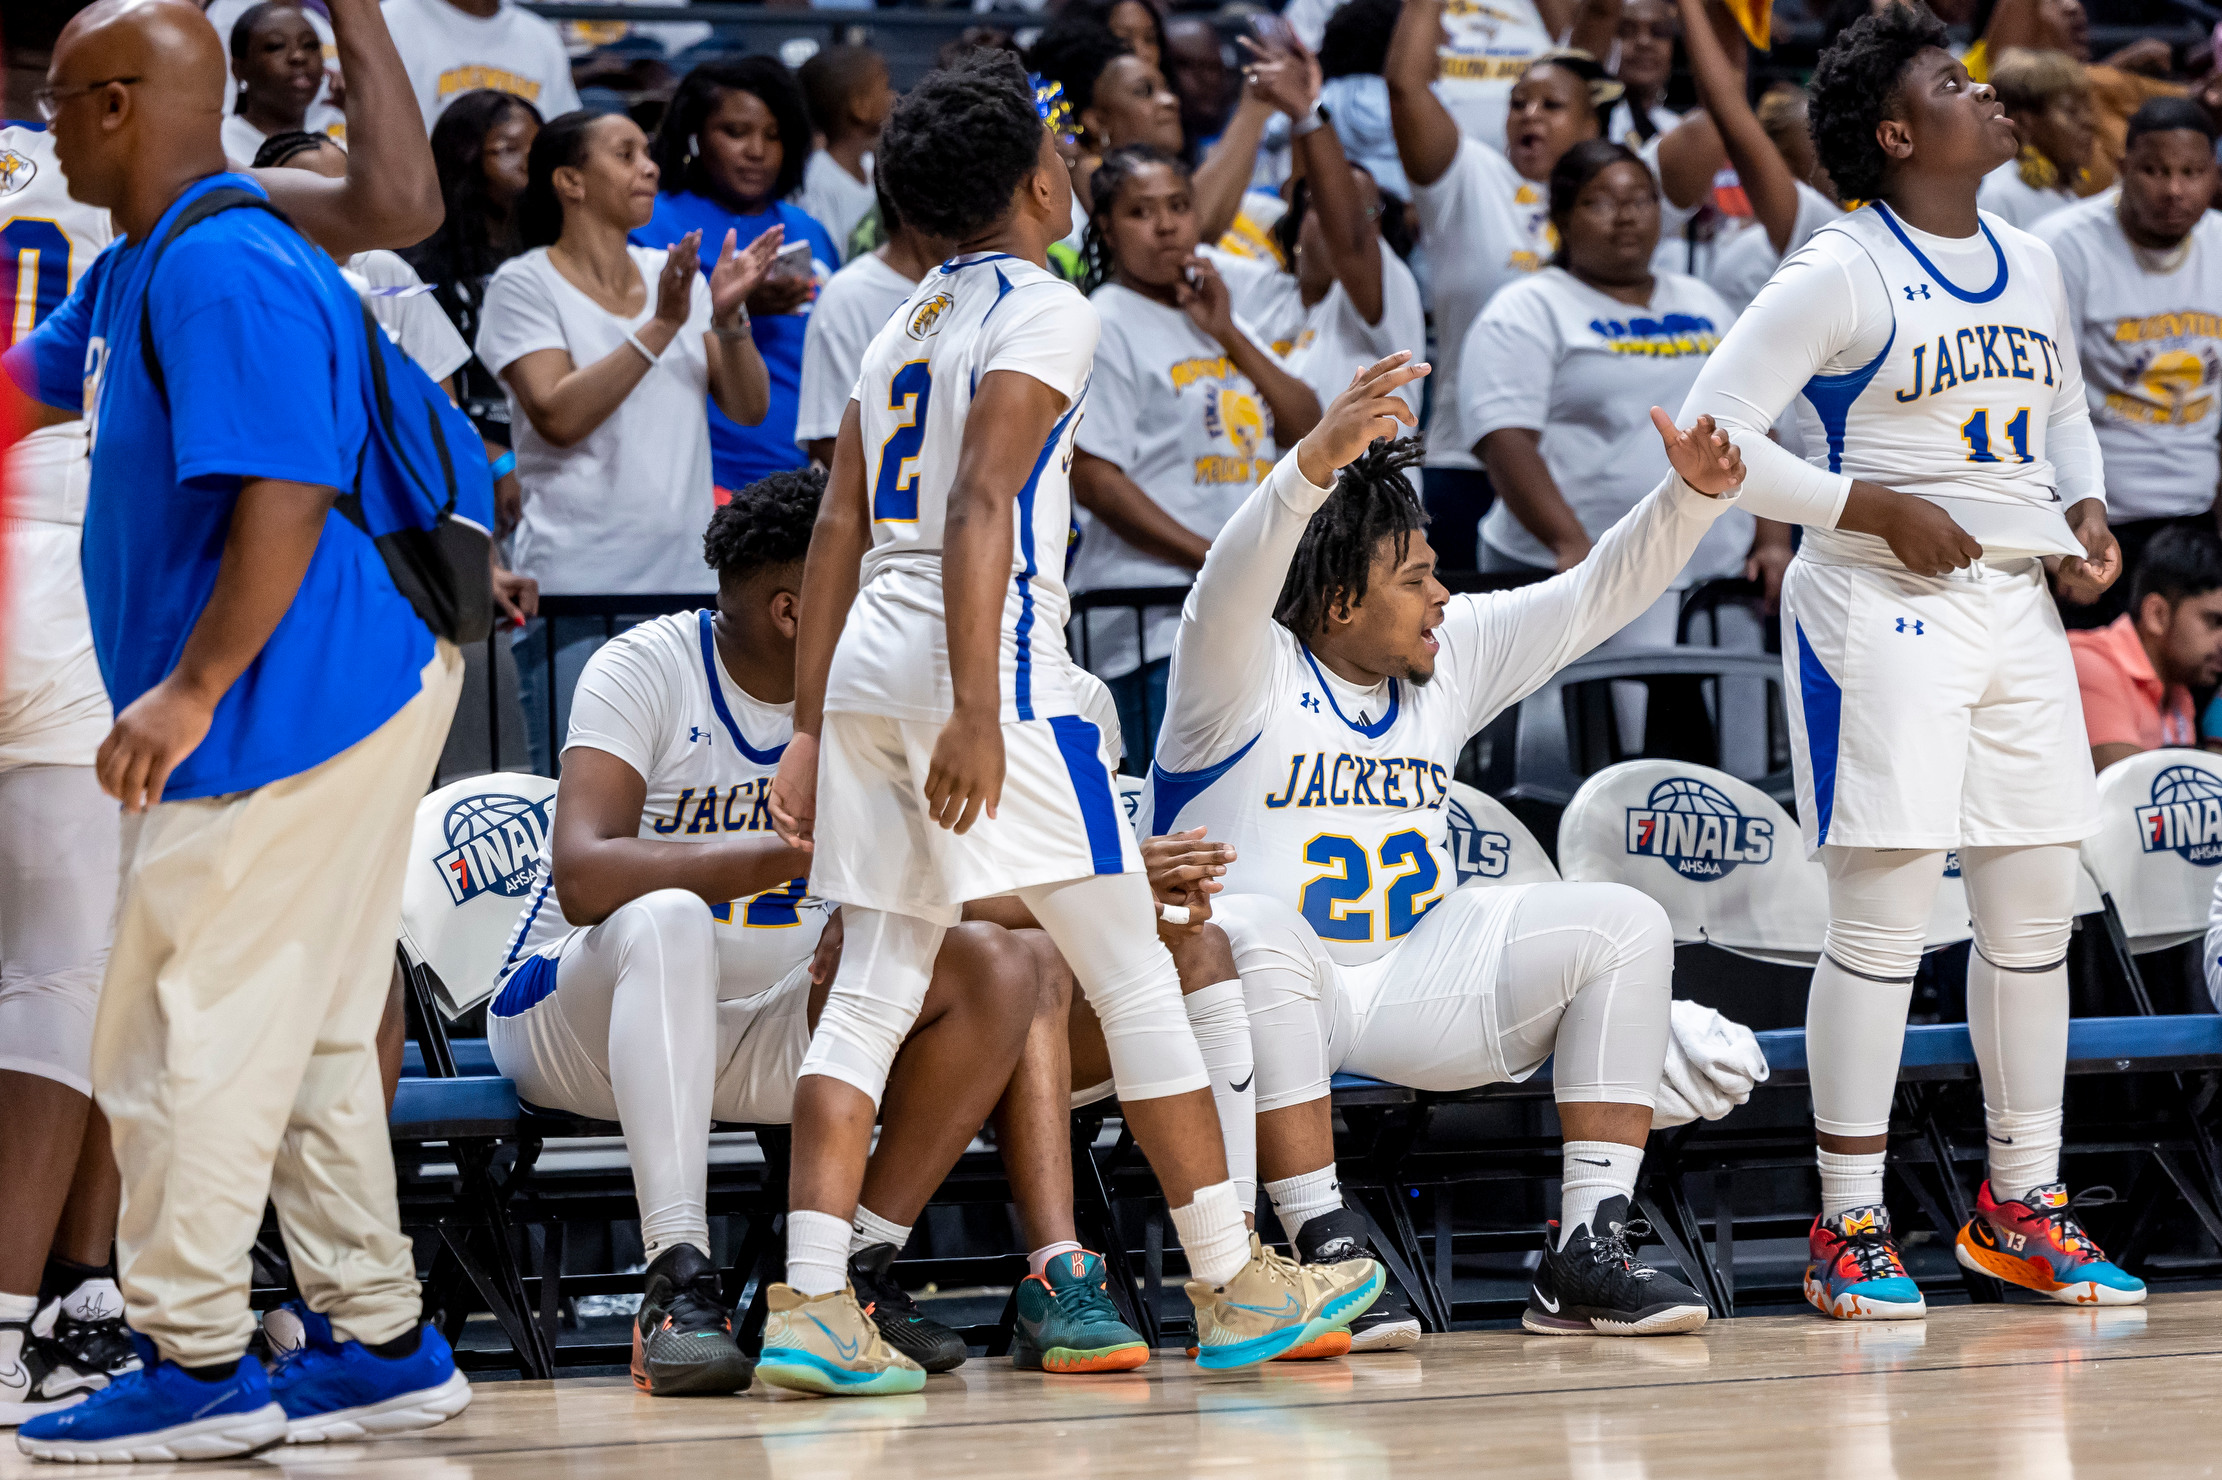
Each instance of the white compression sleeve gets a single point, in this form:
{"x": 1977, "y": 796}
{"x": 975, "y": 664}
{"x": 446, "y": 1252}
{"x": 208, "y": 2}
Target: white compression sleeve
{"x": 1588, "y": 975}
{"x": 1105, "y": 927}
{"x": 1286, "y": 985}
{"x": 1855, "y": 1016}
{"x": 59, "y": 837}
{"x": 1223, "y": 1038}
{"x": 2022, "y": 901}
{"x": 887, "y": 962}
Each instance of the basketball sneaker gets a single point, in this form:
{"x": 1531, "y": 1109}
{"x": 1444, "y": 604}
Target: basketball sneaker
{"x": 1066, "y": 1322}
{"x": 827, "y": 1344}
{"x": 286, "y": 1329}
{"x": 1596, "y": 1286}
{"x": 2036, "y": 1243}
{"x": 1855, "y": 1273}
{"x": 161, "y": 1412}
{"x": 1274, "y": 1304}
{"x": 85, "y": 1330}
{"x": 1387, "y": 1325}
{"x": 683, "y": 1337}
{"x": 334, "y": 1388}
{"x": 906, "y": 1328}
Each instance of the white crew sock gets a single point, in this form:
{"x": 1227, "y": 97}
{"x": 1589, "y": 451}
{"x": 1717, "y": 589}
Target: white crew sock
{"x": 817, "y": 1252}
{"x": 1298, "y": 1200}
{"x": 1222, "y": 1027}
{"x": 1037, "y": 1263}
{"x": 1589, "y": 1173}
{"x": 2024, "y": 1151}
{"x": 18, "y": 1307}
{"x": 870, "y": 1228}
{"x": 1851, "y": 1181}
{"x": 1213, "y": 1234}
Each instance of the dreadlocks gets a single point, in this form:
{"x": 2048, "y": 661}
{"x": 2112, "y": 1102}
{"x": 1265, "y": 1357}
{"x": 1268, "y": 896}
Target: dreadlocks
{"x": 1372, "y": 501}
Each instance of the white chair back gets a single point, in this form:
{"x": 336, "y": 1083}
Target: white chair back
{"x": 474, "y": 862}
{"x": 1726, "y": 863}
{"x": 1490, "y": 845}
{"x": 2158, "y": 843}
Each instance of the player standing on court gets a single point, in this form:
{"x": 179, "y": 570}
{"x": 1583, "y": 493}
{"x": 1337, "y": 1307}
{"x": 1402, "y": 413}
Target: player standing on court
{"x": 955, "y": 764}
{"x": 279, "y": 706}
{"x": 1933, "y": 699}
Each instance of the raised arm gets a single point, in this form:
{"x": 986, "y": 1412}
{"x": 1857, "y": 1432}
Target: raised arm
{"x": 390, "y": 195}
{"x": 1351, "y": 246}
{"x": 1715, "y": 46}
{"x": 1426, "y": 134}
{"x": 739, "y": 381}
{"x": 1205, "y": 299}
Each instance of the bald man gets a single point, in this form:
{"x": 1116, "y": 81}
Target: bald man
{"x": 279, "y": 707}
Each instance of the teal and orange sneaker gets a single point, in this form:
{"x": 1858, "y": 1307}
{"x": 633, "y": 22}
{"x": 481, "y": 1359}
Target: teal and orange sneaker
{"x": 1856, "y": 1274}
{"x": 1066, "y": 1322}
{"x": 2036, "y": 1243}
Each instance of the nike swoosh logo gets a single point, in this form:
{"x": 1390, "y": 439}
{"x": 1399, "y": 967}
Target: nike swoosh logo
{"x": 2002, "y": 1140}
{"x": 1245, "y": 1084}
{"x": 847, "y": 1349}
{"x": 1585, "y": 1161}
{"x": 14, "y": 1376}
{"x": 1545, "y": 1301}
{"x": 1287, "y": 1307}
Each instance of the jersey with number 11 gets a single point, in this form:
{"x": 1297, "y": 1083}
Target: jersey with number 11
{"x": 968, "y": 318}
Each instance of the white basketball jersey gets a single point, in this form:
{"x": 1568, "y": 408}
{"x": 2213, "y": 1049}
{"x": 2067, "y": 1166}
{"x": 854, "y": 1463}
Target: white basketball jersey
{"x": 47, "y": 241}
{"x": 1955, "y": 406}
{"x": 967, "y": 318}
{"x": 1338, "y": 806}
{"x": 657, "y": 698}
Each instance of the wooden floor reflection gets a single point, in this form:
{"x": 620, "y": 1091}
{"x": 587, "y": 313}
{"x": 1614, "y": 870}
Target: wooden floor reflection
{"x": 2027, "y": 1391}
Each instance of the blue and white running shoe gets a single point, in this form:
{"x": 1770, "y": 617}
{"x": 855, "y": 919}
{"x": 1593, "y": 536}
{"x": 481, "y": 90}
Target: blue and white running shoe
{"x": 334, "y": 1389}
{"x": 161, "y": 1412}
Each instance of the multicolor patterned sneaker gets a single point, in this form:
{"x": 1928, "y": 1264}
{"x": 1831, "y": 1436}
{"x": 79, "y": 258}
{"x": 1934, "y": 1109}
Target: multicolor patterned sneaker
{"x": 1066, "y": 1322}
{"x": 827, "y": 1344}
{"x": 2035, "y": 1242}
{"x": 1274, "y": 1304}
{"x": 1856, "y": 1274}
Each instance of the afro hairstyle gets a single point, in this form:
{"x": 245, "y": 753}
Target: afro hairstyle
{"x": 1373, "y": 501}
{"x": 766, "y": 526}
{"x": 1856, "y": 86}
{"x": 959, "y": 144}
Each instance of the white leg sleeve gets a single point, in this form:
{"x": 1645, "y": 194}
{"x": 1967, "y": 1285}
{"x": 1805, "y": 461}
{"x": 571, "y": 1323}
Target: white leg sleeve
{"x": 2021, "y": 901}
{"x": 1855, "y": 1016}
{"x": 1223, "y": 1037}
{"x": 1288, "y": 983}
{"x": 1588, "y": 975}
{"x": 59, "y": 838}
{"x": 645, "y": 982}
{"x": 1105, "y": 926}
{"x": 887, "y": 961}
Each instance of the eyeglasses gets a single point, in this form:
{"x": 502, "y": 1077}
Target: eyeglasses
{"x": 49, "y": 100}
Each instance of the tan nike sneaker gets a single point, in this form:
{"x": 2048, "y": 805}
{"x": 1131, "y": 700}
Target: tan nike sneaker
{"x": 827, "y": 1344}
{"x": 1274, "y": 1304}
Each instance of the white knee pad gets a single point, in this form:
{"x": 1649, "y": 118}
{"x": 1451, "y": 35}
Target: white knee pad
{"x": 46, "y": 1023}
{"x": 670, "y": 932}
{"x": 1588, "y": 975}
{"x": 2021, "y": 903}
{"x": 1285, "y": 980}
{"x": 887, "y": 962}
{"x": 1102, "y": 924}
{"x": 1879, "y": 906}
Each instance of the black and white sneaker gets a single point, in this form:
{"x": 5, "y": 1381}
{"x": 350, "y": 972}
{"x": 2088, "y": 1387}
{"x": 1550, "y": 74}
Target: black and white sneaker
{"x": 683, "y": 1342}
{"x": 902, "y": 1324}
{"x": 85, "y": 1327}
{"x": 1387, "y": 1325}
{"x": 1596, "y": 1286}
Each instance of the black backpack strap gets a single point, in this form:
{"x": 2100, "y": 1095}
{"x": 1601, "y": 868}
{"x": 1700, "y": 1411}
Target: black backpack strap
{"x": 213, "y": 203}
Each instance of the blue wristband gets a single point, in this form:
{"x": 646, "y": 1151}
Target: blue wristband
{"x": 504, "y": 465}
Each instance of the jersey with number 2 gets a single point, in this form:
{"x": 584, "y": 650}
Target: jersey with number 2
{"x": 46, "y": 239}
{"x": 967, "y": 319}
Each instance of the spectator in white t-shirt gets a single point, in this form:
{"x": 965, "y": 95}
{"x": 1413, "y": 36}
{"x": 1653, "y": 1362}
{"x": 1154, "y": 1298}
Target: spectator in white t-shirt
{"x": 852, "y": 307}
{"x": 608, "y": 352}
{"x": 1646, "y": 37}
{"x": 1563, "y": 369}
{"x": 452, "y": 47}
{"x": 1484, "y": 222}
{"x": 847, "y": 91}
{"x": 1186, "y": 414}
{"x": 2142, "y": 269}
{"x": 279, "y": 61}
{"x": 2048, "y": 97}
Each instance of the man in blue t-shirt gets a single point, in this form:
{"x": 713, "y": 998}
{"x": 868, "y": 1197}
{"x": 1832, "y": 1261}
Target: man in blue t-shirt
{"x": 279, "y": 707}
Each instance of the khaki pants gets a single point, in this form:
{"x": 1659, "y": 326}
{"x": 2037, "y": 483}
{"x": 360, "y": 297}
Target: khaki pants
{"x": 235, "y": 1050}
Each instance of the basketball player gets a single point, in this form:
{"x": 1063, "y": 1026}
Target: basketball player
{"x": 1933, "y": 700}
{"x": 58, "y": 842}
{"x": 1323, "y": 685}
{"x": 661, "y": 974}
{"x": 955, "y": 765}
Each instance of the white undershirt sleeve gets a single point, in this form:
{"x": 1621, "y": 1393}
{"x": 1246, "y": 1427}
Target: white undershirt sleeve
{"x": 1816, "y": 311}
{"x": 1222, "y": 656}
{"x": 2071, "y": 442}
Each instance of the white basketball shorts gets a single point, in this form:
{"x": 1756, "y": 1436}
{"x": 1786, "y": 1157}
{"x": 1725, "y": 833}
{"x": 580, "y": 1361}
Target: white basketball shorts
{"x": 538, "y": 1040}
{"x": 53, "y": 706}
{"x": 1059, "y": 818}
{"x": 1933, "y": 711}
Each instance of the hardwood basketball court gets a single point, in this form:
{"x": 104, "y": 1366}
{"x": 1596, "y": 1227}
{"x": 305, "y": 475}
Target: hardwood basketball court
{"x": 2028, "y": 1391}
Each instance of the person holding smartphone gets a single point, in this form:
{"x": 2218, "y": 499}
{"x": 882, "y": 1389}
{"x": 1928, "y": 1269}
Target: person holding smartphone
{"x": 732, "y": 148}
